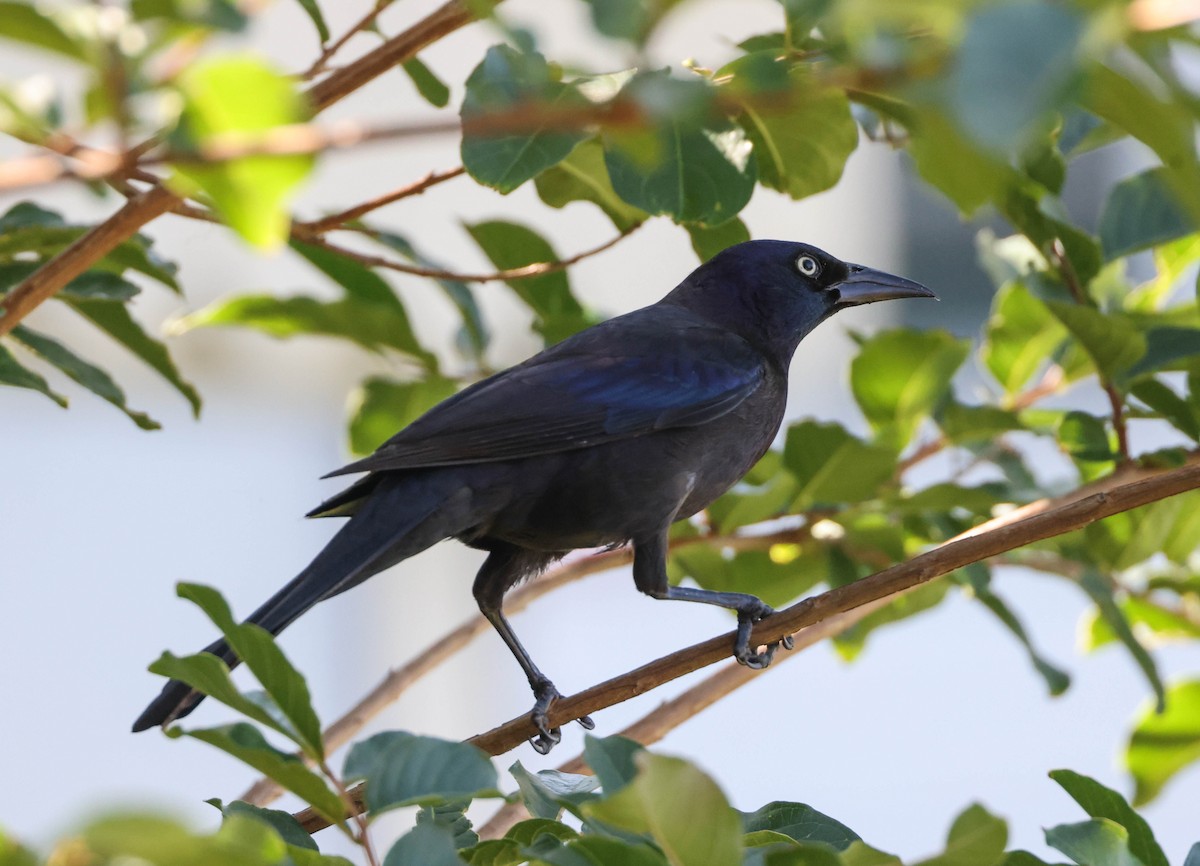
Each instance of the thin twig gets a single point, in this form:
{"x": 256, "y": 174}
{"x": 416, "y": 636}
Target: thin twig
{"x": 1076, "y": 288}
{"x": 333, "y": 221}
{"x": 533, "y": 270}
{"x": 441, "y": 22}
{"x": 1122, "y": 491}
{"x": 322, "y": 62}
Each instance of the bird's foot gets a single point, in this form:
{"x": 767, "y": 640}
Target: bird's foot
{"x": 742, "y": 651}
{"x": 545, "y": 694}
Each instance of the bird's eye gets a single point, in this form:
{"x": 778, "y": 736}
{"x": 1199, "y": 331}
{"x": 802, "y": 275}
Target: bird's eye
{"x": 808, "y": 266}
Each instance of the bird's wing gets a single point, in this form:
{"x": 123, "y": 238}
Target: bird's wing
{"x": 579, "y": 395}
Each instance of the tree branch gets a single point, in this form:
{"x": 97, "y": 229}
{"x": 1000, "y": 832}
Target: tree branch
{"x": 1122, "y": 491}
{"x": 337, "y": 220}
{"x": 43, "y": 283}
{"x": 664, "y": 718}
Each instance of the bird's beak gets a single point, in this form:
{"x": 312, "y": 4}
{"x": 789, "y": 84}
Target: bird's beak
{"x": 866, "y": 286}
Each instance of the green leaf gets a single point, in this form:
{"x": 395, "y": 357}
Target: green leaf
{"x": 1084, "y": 437}
{"x": 379, "y": 408}
{"x": 104, "y": 285}
{"x": 507, "y": 79}
{"x": 963, "y": 423}
{"x": 1183, "y": 414}
{"x": 1162, "y": 744}
{"x": 1144, "y": 211}
{"x": 1101, "y": 802}
{"x": 1166, "y": 347}
{"x": 372, "y": 326}
{"x": 700, "y": 829}
{"x": 832, "y": 465}
{"x": 474, "y": 334}
{"x": 509, "y": 245}
{"x": 246, "y": 743}
{"x": 29, "y": 236}
{"x": 288, "y": 828}
{"x": 1164, "y": 126}
{"x": 431, "y": 88}
{"x": 1057, "y": 680}
{"x": 206, "y": 673}
{"x": 1019, "y": 338}
{"x": 612, "y": 759}
{"x": 583, "y": 176}
{"x": 976, "y": 838}
{"x": 313, "y": 11}
{"x": 852, "y": 641}
{"x": 800, "y": 822}
{"x": 592, "y": 851}
{"x": 623, "y": 19}
{"x": 547, "y": 792}
{"x": 258, "y": 651}
{"x": 899, "y": 377}
{"x": 1016, "y": 64}
{"x": 699, "y": 175}
{"x": 403, "y": 769}
{"x": 24, "y": 22}
{"x": 241, "y": 98}
{"x": 1112, "y": 341}
{"x": 1170, "y": 527}
{"x": 424, "y": 845}
{"x": 17, "y": 375}
{"x": 208, "y": 14}
{"x": 451, "y": 817}
{"x": 953, "y": 165}
{"x": 1101, "y": 593}
{"x": 240, "y": 841}
{"x": 12, "y": 853}
{"x": 85, "y": 373}
{"x": 707, "y": 242}
{"x": 114, "y": 319}
{"x": 1098, "y": 842}
{"x": 801, "y": 151}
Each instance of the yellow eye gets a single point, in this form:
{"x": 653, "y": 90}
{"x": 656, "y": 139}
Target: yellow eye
{"x": 808, "y": 266}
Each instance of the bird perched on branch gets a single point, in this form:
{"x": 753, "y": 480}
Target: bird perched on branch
{"x": 606, "y": 438}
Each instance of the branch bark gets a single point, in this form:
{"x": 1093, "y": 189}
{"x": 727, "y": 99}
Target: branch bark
{"x": 1122, "y": 491}
{"x": 43, "y": 283}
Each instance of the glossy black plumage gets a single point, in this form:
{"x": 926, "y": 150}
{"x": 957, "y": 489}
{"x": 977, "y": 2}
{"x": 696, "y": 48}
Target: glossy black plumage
{"x": 605, "y": 438}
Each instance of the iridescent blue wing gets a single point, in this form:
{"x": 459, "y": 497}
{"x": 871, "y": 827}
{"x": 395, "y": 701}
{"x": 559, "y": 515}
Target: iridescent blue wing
{"x": 651, "y": 370}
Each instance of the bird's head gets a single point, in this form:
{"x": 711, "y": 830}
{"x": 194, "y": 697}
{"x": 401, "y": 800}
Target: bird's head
{"x": 773, "y": 293}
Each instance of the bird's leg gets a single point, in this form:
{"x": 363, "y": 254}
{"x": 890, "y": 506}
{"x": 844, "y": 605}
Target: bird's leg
{"x": 650, "y": 575}
{"x": 500, "y": 570}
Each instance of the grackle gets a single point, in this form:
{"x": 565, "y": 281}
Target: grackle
{"x": 606, "y": 438}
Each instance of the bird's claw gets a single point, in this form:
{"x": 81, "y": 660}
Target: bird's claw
{"x": 545, "y": 694}
{"x": 741, "y": 647}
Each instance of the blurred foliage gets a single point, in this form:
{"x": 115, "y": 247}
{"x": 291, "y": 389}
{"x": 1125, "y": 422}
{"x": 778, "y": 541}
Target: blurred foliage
{"x": 634, "y": 808}
{"x": 1092, "y": 344}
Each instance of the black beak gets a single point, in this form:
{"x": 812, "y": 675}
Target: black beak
{"x": 866, "y": 286}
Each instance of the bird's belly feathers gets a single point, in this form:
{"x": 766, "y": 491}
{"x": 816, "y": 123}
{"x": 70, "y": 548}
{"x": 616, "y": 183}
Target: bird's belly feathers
{"x": 611, "y": 493}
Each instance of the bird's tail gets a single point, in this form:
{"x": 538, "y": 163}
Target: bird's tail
{"x": 401, "y": 517}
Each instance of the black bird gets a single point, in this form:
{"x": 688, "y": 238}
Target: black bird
{"x": 606, "y": 438}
